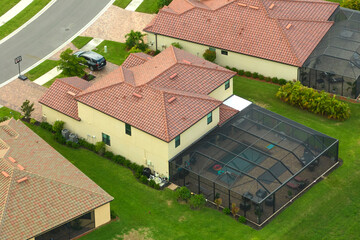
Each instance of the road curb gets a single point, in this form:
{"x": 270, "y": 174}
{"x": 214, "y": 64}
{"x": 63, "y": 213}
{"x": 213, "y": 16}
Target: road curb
{"x": 61, "y": 46}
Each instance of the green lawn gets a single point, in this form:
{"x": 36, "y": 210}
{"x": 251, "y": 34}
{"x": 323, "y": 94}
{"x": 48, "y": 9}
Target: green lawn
{"x": 81, "y": 41}
{"x": 122, "y": 3}
{"x": 4, "y": 111}
{"x": 329, "y": 210}
{"x": 116, "y": 51}
{"x": 148, "y": 6}
{"x": 22, "y": 17}
{"x": 41, "y": 69}
{"x": 6, "y": 5}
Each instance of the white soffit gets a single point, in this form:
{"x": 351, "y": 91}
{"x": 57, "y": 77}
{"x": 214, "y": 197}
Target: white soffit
{"x": 237, "y": 102}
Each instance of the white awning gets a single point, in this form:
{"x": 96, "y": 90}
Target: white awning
{"x": 237, "y": 102}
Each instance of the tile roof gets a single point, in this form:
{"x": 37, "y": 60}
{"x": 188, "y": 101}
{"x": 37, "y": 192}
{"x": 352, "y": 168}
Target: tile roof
{"x": 46, "y": 193}
{"x": 251, "y": 27}
{"x": 226, "y": 113}
{"x": 138, "y": 92}
{"x": 63, "y": 92}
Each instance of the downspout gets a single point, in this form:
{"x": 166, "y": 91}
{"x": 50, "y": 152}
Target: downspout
{"x": 156, "y": 48}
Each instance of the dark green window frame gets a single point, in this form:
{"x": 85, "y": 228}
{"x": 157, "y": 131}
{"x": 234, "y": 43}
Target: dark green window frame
{"x": 128, "y": 129}
{"x": 209, "y": 118}
{"x": 223, "y": 52}
{"x": 106, "y": 139}
{"x": 227, "y": 84}
{"x": 177, "y": 141}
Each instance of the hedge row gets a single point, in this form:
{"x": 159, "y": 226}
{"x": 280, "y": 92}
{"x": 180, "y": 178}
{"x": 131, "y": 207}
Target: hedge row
{"x": 99, "y": 148}
{"x": 256, "y": 75}
{"x": 317, "y": 102}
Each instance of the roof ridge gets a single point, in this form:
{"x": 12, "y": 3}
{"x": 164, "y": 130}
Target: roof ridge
{"x": 319, "y": 2}
{"x": 288, "y": 42}
{"x": 135, "y": 55}
{"x": 100, "y": 89}
{"x": 215, "y": 69}
{"x": 304, "y": 20}
{"x": 60, "y": 79}
{"x": 186, "y": 94}
{"x": 7, "y": 197}
{"x": 165, "y": 117}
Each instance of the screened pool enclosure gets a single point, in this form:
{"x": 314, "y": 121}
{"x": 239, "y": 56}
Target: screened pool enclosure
{"x": 258, "y": 160}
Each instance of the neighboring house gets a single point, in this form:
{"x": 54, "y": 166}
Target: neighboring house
{"x": 273, "y": 38}
{"x": 43, "y": 196}
{"x": 149, "y": 109}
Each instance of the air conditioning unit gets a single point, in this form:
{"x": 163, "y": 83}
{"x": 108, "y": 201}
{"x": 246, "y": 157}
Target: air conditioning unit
{"x": 73, "y": 138}
{"x": 65, "y": 133}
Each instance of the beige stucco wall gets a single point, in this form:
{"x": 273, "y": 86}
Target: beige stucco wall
{"x": 31, "y": 239}
{"x": 140, "y": 147}
{"x": 102, "y": 215}
{"x": 221, "y": 94}
{"x": 240, "y": 61}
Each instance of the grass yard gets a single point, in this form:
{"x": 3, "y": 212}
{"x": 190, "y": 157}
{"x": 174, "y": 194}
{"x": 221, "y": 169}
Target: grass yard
{"x": 22, "y": 17}
{"x": 121, "y": 3}
{"x": 329, "y": 210}
{"x": 4, "y": 111}
{"x": 81, "y": 41}
{"x": 116, "y": 51}
{"x": 6, "y": 5}
{"x": 41, "y": 69}
{"x": 148, "y": 6}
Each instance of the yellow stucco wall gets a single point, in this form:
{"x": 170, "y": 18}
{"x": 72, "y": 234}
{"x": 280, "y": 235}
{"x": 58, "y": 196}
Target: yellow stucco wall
{"x": 221, "y": 94}
{"x": 102, "y": 215}
{"x": 194, "y": 133}
{"x": 140, "y": 147}
{"x": 240, "y": 61}
{"x": 31, "y": 239}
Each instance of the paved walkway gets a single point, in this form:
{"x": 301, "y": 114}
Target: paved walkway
{"x": 15, "y": 93}
{"x": 92, "y": 44}
{"x": 48, "y": 76}
{"x": 116, "y": 22}
{"x": 133, "y": 5}
{"x": 14, "y": 11}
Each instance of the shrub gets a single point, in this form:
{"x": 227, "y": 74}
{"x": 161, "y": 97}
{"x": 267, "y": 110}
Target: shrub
{"x": 135, "y": 39}
{"x": 227, "y": 67}
{"x": 119, "y": 159}
{"x": 352, "y": 4}
{"x": 234, "y": 69}
{"x": 156, "y": 52}
{"x": 309, "y": 99}
{"x": 144, "y": 179}
{"x": 242, "y": 219}
{"x": 68, "y": 143}
{"x": 138, "y": 175}
{"x": 108, "y": 155}
{"x": 275, "y": 80}
{"x": 162, "y": 3}
{"x": 100, "y": 148}
{"x": 86, "y": 144}
{"x": 234, "y": 209}
{"x": 58, "y": 126}
{"x": 59, "y": 138}
{"x": 226, "y": 211}
{"x": 75, "y": 145}
{"x": 197, "y": 201}
{"x": 2, "y": 119}
{"x": 183, "y": 193}
{"x": 152, "y": 183}
{"x": 209, "y": 55}
{"x": 267, "y": 79}
{"x": 32, "y": 121}
{"x": 282, "y": 81}
{"x": 134, "y": 49}
{"x": 157, "y": 186}
{"x": 261, "y": 77}
{"x": 177, "y": 45}
{"x": 241, "y": 72}
{"x": 46, "y": 126}
{"x": 255, "y": 75}
{"x": 127, "y": 163}
{"x": 113, "y": 215}
{"x": 218, "y": 202}
{"x": 248, "y": 74}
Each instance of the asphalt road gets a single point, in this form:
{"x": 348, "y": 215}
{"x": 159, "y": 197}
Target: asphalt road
{"x": 45, "y": 34}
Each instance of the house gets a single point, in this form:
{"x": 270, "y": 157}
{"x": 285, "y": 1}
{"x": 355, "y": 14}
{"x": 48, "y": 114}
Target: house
{"x": 271, "y": 37}
{"x": 149, "y": 109}
{"x": 44, "y": 196}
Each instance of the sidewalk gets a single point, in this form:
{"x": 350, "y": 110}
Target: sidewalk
{"x": 133, "y": 5}
{"x": 14, "y": 11}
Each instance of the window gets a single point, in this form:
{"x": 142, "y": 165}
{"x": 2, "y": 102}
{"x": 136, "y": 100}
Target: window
{"x": 227, "y": 84}
{"x": 212, "y": 49}
{"x": 223, "y": 52}
{"x": 209, "y": 118}
{"x": 177, "y": 141}
{"x": 128, "y": 129}
{"x": 106, "y": 139}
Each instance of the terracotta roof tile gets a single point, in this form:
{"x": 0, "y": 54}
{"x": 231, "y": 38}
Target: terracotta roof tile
{"x": 60, "y": 95}
{"x": 251, "y": 31}
{"x": 52, "y": 190}
{"x": 135, "y": 59}
{"x": 226, "y": 113}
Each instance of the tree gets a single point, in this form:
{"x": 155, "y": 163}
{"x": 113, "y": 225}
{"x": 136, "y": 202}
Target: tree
{"x": 209, "y": 55}
{"x": 353, "y": 4}
{"x": 135, "y": 39}
{"x": 72, "y": 65}
{"x": 27, "y": 109}
{"x": 234, "y": 209}
{"x": 162, "y": 3}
